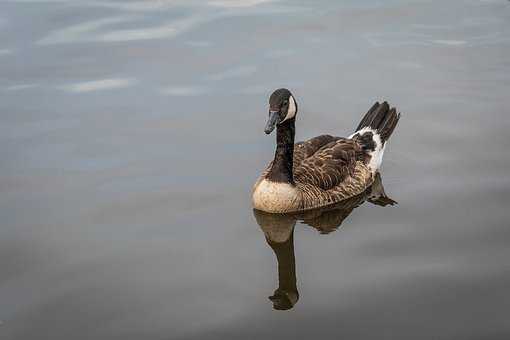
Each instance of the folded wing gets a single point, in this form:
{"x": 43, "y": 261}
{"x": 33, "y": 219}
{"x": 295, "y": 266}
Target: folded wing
{"x": 326, "y": 161}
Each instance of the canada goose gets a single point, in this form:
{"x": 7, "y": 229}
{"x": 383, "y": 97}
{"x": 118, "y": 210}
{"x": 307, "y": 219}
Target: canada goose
{"x": 323, "y": 170}
{"x": 279, "y": 233}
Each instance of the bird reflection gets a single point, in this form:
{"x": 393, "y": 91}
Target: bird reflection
{"x": 279, "y": 232}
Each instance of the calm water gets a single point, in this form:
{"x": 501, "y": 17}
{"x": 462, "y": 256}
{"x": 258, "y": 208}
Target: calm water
{"x": 132, "y": 131}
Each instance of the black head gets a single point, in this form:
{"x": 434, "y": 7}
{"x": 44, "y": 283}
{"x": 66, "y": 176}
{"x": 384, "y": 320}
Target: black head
{"x": 282, "y": 107}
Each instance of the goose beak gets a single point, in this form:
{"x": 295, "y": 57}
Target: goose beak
{"x": 271, "y": 122}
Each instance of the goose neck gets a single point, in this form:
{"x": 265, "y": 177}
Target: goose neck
{"x": 281, "y": 170}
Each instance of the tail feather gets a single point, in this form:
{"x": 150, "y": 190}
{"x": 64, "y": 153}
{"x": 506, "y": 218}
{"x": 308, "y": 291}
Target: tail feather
{"x": 368, "y": 117}
{"x": 381, "y": 119}
{"x": 374, "y": 130}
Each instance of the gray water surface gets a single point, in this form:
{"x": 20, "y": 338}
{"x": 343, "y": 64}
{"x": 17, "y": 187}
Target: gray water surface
{"x": 132, "y": 131}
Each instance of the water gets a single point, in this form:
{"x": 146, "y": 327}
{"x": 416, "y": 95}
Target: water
{"x": 131, "y": 133}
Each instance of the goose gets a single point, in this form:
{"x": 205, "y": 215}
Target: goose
{"x": 323, "y": 170}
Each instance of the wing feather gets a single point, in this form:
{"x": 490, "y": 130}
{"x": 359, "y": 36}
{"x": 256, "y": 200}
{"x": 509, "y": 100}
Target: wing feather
{"x": 326, "y": 161}
{"x": 307, "y": 148}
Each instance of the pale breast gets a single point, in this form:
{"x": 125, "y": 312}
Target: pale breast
{"x": 275, "y": 197}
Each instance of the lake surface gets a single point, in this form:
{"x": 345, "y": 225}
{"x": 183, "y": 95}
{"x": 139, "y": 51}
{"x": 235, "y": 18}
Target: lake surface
{"x": 132, "y": 131}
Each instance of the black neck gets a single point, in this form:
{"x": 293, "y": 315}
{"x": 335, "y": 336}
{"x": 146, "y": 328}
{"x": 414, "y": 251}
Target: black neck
{"x": 281, "y": 170}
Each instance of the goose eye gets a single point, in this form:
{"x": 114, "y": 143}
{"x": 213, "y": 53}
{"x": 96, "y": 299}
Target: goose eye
{"x": 285, "y": 102}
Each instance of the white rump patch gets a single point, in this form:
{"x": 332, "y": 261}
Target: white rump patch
{"x": 291, "y": 111}
{"x": 376, "y": 156}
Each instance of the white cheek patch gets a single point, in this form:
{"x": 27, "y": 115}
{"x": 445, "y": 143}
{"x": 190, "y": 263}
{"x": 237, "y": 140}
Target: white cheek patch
{"x": 291, "y": 111}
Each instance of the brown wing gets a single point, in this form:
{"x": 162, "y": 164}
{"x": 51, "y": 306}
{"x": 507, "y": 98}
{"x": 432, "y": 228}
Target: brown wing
{"x": 307, "y": 148}
{"x": 330, "y": 164}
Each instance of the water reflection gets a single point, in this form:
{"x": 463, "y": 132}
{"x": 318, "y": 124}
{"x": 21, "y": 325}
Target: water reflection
{"x": 279, "y": 232}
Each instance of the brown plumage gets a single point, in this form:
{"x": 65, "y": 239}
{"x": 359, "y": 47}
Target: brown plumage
{"x": 333, "y": 160}
{"x": 335, "y": 171}
{"x": 323, "y": 170}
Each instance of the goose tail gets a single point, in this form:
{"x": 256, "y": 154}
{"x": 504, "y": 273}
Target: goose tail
{"x": 375, "y": 129}
{"x": 381, "y": 119}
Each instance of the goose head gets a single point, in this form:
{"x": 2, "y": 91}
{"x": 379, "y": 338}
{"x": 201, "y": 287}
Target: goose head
{"x": 282, "y": 107}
